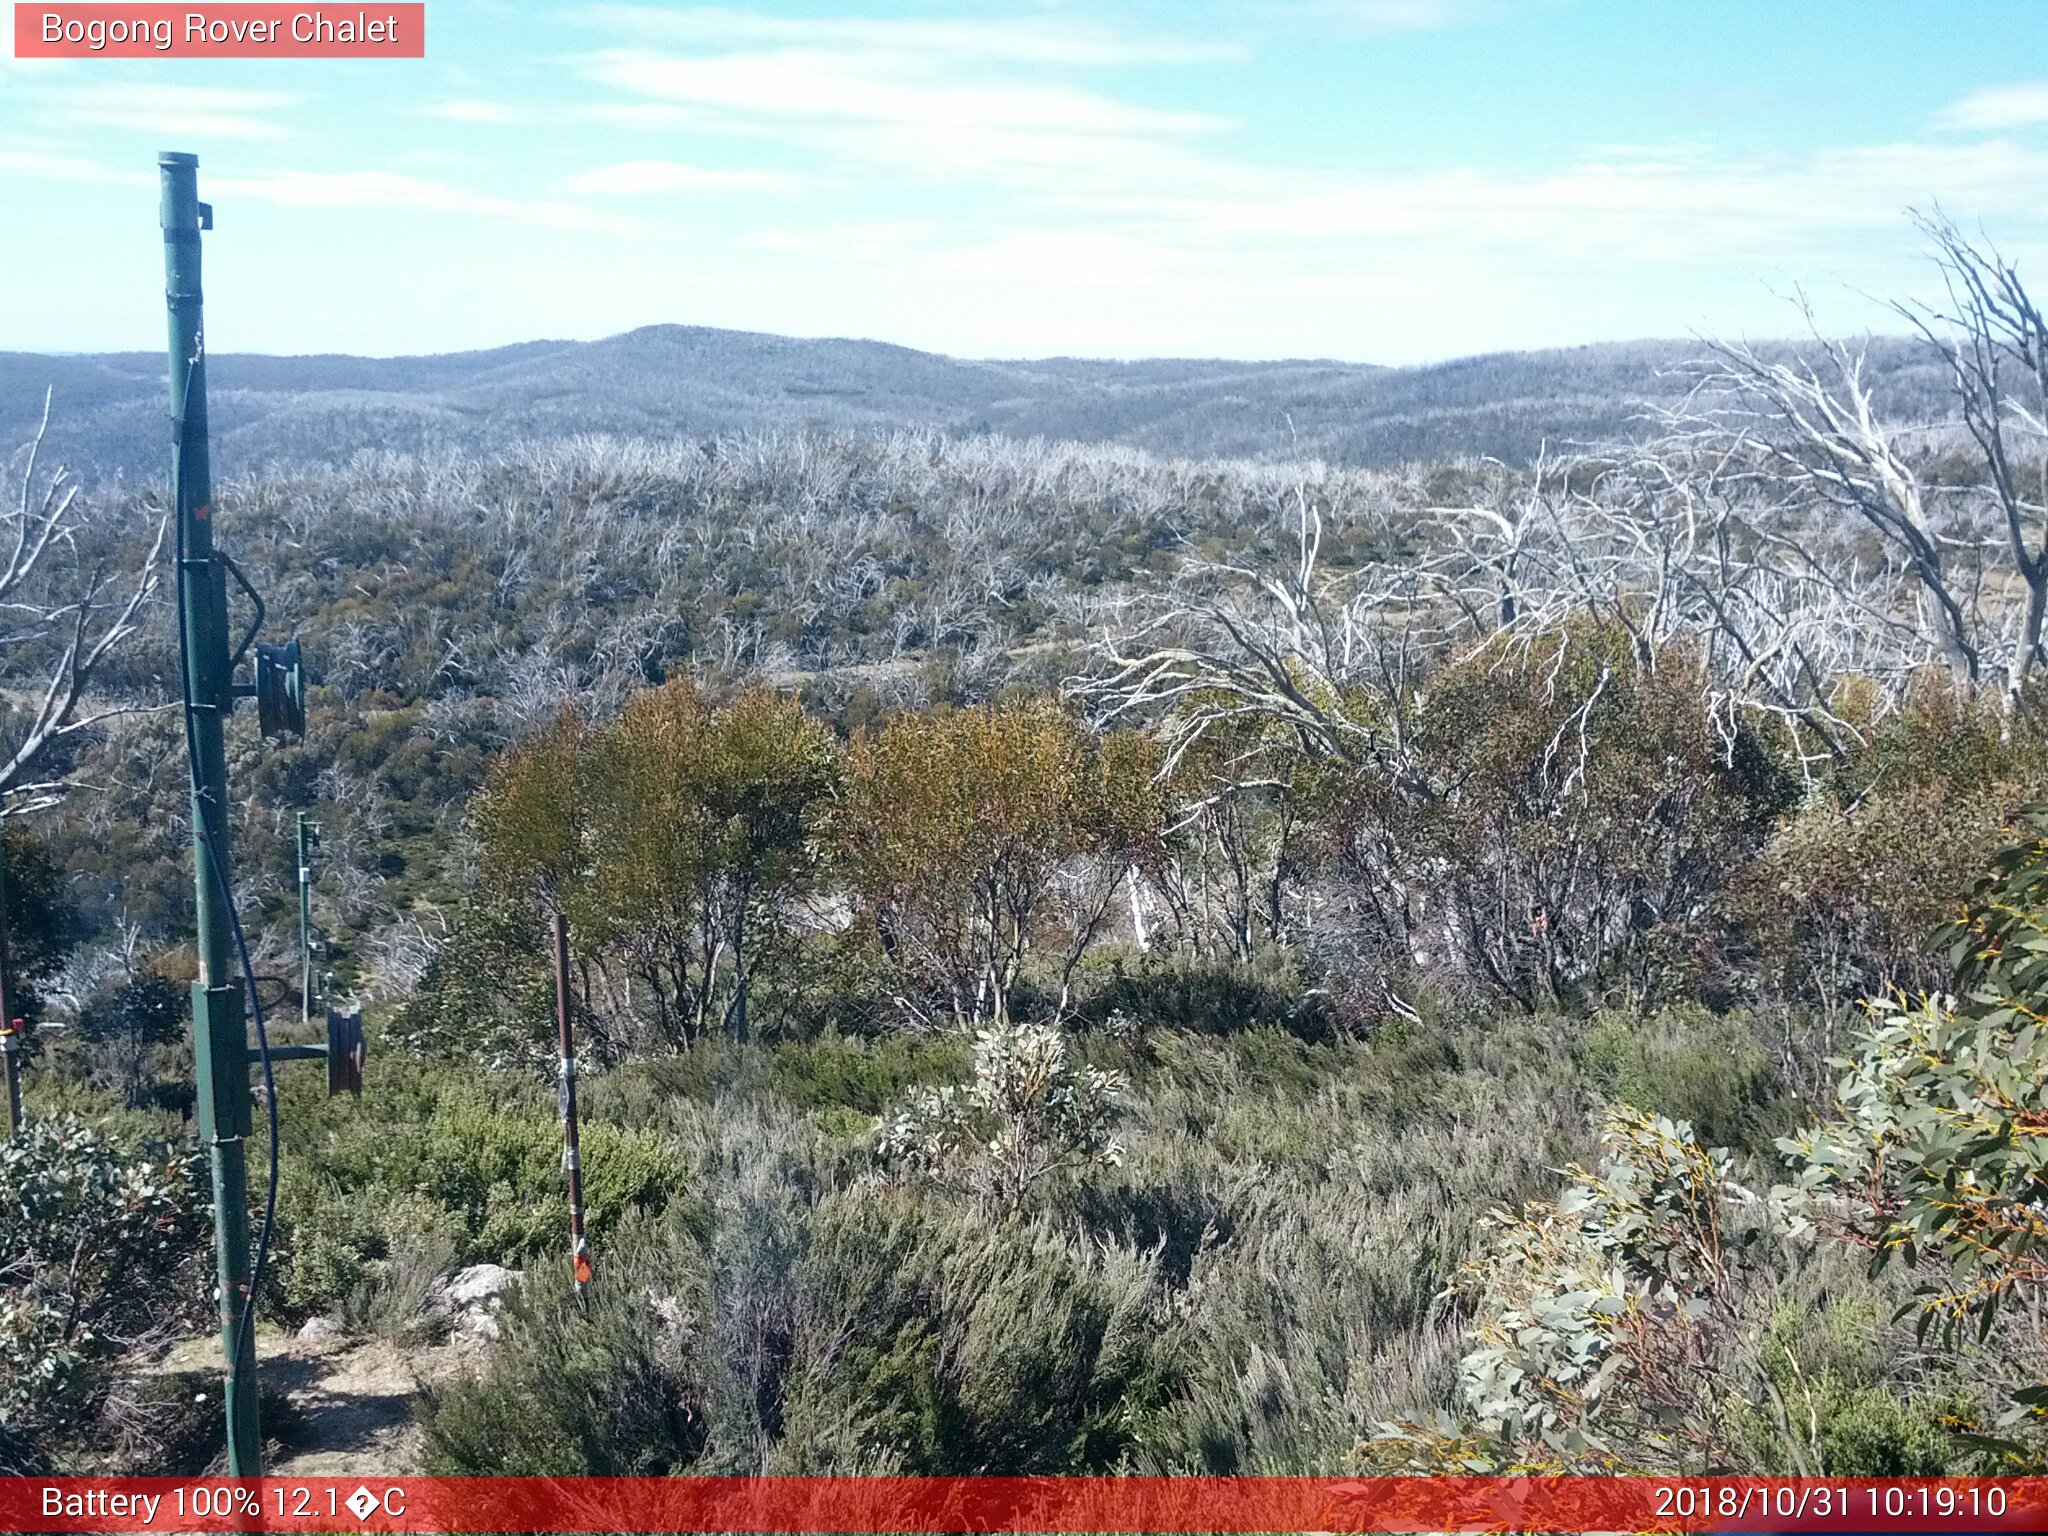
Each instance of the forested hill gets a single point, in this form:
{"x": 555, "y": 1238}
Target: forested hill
{"x": 670, "y": 380}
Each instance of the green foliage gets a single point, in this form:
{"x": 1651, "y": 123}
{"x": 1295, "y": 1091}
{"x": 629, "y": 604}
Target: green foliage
{"x": 977, "y": 837}
{"x": 1231, "y": 863}
{"x": 125, "y": 1024}
{"x": 700, "y": 828}
{"x": 361, "y": 1252}
{"x": 1935, "y": 1159}
{"x": 43, "y": 921}
{"x": 883, "y": 1334}
{"x": 1176, "y": 989}
{"x": 529, "y": 819}
{"x": 1709, "y": 1071}
{"x": 488, "y": 997}
{"x": 1621, "y": 1329}
{"x": 1031, "y": 1113}
{"x": 676, "y": 839}
{"x": 1594, "y": 1313}
{"x": 1826, "y": 1364}
{"x": 1659, "y": 1318}
{"x": 865, "y": 1075}
{"x": 808, "y": 1316}
{"x": 573, "y": 1392}
{"x": 99, "y": 1244}
{"x": 454, "y": 1167}
{"x": 1840, "y": 903}
{"x": 1560, "y": 822}
{"x": 981, "y": 1349}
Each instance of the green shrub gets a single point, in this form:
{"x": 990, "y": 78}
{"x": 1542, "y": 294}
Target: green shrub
{"x": 1032, "y": 1112}
{"x": 1690, "y": 1065}
{"x": 1556, "y": 827}
{"x": 645, "y": 1092}
{"x": 449, "y": 1166}
{"x": 1206, "y": 995}
{"x": 1830, "y": 1360}
{"x": 101, "y": 1246}
{"x": 962, "y": 1347}
{"x": 487, "y": 996}
{"x": 336, "y": 1244}
{"x": 1842, "y": 901}
{"x": 867, "y": 1075}
{"x": 126, "y": 1023}
{"x": 872, "y": 1332}
{"x": 600, "y": 1390}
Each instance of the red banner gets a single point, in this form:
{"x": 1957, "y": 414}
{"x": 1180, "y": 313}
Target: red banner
{"x": 1063, "y": 1504}
{"x": 242, "y": 29}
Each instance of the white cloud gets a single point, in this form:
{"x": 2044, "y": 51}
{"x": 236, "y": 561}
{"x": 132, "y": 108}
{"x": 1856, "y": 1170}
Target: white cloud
{"x": 61, "y": 165}
{"x": 916, "y": 117}
{"x": 991, "y": 99}
{"x": 190, "y": 111}
{"x": 998, "y": 191}
{"x": 495, "y": 112}
{"x": 1695, "y": 209}
{"x": 884, "y": 89}
{"x": 652, "y": 177}
{"x": 1248, "y": 261}
{"x": 1059, "y": 40}
{"x": 388, "y": 189}
{"x": 1381, "y": 15}
{"x": 1998, "y": 107}
{"x": 1371, "y": 18}
{"x": 1062, "y": 187}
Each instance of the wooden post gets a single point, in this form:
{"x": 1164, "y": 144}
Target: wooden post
{"x": 579, "y": 1247}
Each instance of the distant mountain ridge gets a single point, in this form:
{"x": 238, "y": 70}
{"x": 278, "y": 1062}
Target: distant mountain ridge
{"x": 674, "y": 380}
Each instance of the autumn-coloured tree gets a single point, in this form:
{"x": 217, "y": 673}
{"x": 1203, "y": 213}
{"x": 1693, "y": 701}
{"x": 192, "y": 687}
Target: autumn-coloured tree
{"x": 701, "y": 820}
{"x": 673, "y": 838}
{"x": 1233, "y": 842}
{"x": 530, "y": 819}
{"x": 976, "y": 837}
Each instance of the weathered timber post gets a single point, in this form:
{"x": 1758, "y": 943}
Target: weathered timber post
{"x": 572, "y": 1161}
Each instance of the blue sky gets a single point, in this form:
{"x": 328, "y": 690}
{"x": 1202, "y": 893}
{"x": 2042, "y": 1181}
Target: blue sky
{"x": 1376, "y": 180}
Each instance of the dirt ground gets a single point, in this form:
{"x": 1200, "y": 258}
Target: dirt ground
{"x": 347, "y": 1403}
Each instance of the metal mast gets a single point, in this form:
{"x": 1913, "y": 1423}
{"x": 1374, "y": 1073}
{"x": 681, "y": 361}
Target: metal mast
{"x": 219, "y": 1033}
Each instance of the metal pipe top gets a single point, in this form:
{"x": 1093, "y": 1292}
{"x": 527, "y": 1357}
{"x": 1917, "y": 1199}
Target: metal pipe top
{"x": 176, "y": 157}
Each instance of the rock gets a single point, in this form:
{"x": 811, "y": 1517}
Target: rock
{"x": 317, "y": 1336}
{"x": 479, "y": 1285}
{"x": 471, "y": 1297}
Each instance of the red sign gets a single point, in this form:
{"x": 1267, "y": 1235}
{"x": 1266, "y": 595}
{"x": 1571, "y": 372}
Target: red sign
{"x": 1011, "y": 1504}
{"x": 241, "y": 29}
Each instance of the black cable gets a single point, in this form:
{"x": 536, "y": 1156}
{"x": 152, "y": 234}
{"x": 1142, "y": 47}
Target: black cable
{"x": 245, "y": 1323}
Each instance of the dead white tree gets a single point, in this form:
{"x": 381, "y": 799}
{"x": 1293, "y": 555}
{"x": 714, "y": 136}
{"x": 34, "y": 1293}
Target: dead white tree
{"x": 1991, "y": 334}
{"x": 65, "y": 610}
{"x": 1809, "y": 428}
{"x": 1294, "y": 647}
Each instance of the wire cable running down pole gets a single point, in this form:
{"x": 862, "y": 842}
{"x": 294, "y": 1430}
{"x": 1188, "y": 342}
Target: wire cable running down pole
{"x": 13, "y": 1031}
{"x": 309, "y": 835}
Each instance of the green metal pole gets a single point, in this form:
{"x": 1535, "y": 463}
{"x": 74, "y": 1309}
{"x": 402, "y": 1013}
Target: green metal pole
{"x": 305, "y": 925}
{"x": 219, "y": 1035}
